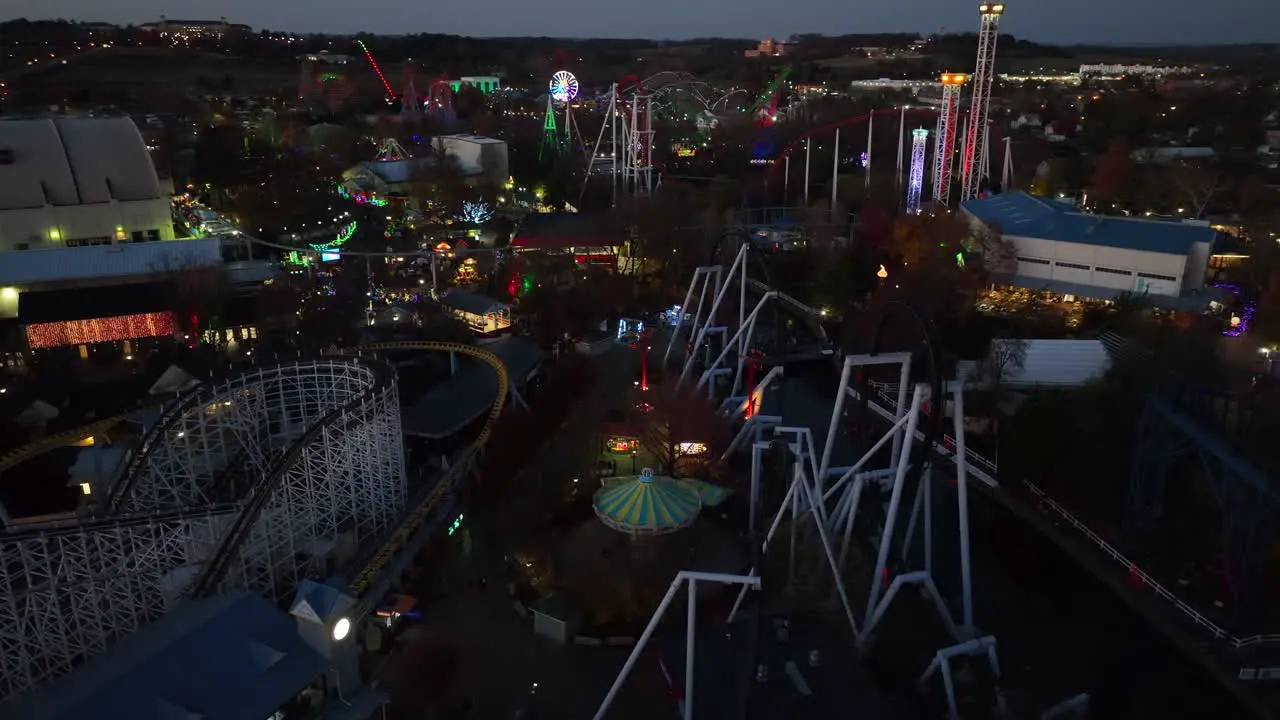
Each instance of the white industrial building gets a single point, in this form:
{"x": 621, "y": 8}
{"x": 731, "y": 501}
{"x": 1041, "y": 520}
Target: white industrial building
{"x": 74, "y": 182}
{"x": 481, "y": 158}
{"x": 1066, "y": 251}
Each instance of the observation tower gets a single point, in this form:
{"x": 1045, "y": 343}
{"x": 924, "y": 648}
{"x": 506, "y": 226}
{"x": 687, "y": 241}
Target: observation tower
{"x": 975, "y": 146}
{"x": 945, "y": 137}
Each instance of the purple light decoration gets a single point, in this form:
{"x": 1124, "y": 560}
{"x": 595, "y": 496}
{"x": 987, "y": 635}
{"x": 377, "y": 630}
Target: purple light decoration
{"x": 864, "y": 159}
{"x": 915, "y": 183}
{"x": 1246, "y": 312}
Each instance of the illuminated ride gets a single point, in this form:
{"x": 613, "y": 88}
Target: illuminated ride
{"x": 945, "y": 136}
{"x": 915, "y": 179}
{"x": 563, "y": 87}
{"x": 975, "y": 165}
{"x": 908, "y": 485}
{"x": 439, "y": 103}
{"x": 391, "y": 94}
{"x": 249, "y": 482}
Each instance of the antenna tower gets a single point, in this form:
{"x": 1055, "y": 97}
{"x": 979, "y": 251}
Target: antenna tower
{"x": 551, "y": 145}
{"x": 975, "y": 147}
{"x": 410, "y": 103}
{"x": 919, "y": 147}
{"x": 638, "y": 159}
{"x": 945, "y": 137}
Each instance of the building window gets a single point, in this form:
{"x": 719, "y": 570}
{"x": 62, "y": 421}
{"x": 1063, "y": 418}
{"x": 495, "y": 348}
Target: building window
{"x": 1114, "y": 271}
{"x": 121, "y": 235}
{"x": 1034, "y": 261}
{"x": 89, "y": 241}
{"x": 136, "y": 236}
{"x": 153, "y": 235}
{"x": 1071, "y": 266}
{"x": 1153, "y": 276}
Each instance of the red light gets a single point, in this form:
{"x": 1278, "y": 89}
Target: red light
{"x": 81, "y": 332}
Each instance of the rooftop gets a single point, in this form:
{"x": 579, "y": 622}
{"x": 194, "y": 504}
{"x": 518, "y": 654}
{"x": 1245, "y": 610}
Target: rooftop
{"x": 74, "y": 161}
{"x": 225, "y": 658}
{"x": 473, "y": 138}
{"x": 28, "y": 267}
{"x": 471, "y": 302}
{"x": 1020, "y": 214}
{"x": 564, "y": 229}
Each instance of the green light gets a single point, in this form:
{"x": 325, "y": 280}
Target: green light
{"x": 456, "y": 524}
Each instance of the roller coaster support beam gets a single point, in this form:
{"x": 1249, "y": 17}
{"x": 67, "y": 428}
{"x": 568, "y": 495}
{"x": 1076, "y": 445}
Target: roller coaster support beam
{"x": 701, "y": 277}
{"x": 941, "y": 664}
{"x": 801, "y": 500}
{"x": 739, "y": 266}
{"x": 739, "y": 339}
{"x": 692, "y": 578}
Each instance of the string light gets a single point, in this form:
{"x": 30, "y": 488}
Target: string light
{"x": 345, "y": 234}
{"x": 475, "y": 212}
{"x": 96, "y": 330}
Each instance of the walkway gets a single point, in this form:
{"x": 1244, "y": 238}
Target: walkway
{"x": 496, "y": 656}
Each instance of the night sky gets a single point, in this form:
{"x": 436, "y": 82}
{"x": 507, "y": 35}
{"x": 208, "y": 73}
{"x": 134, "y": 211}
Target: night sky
{"x": 1066, "y": 21}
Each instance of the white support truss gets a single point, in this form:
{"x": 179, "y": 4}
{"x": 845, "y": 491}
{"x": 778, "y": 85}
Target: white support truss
{"x": 692, "y": 578}
{"x": 975, "y": 161}
{"x": 832, "y": 508}
{"x": 638, "y": 159}
{"x": 256, "y": 482}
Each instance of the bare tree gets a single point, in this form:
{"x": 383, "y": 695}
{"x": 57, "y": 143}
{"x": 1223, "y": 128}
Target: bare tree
{"x": 1195, "y": 186}
{"x": 199, "y": 290}
{"x": 1005, "y": 359}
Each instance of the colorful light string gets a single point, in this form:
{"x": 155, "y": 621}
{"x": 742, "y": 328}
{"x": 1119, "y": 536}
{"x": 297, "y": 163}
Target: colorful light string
{"x": 344, "y": 234}
{"x": 361, "y": 198}
{"x": 475, "y": 212}
{"x": 391, "y": 93}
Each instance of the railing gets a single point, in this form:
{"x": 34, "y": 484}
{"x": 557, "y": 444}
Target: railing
{"x": 887, "y": 393}
{"x": 1137, "y": 574}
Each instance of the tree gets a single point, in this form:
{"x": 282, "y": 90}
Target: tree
{"x": 679, "y": 416}
{"x": 1194, "y": 186}
{"x": 1006, "y": 357}
{"x": 1111, "y": 176}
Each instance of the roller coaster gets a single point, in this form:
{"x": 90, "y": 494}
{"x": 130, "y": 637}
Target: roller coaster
{"x": 255, "y": 481}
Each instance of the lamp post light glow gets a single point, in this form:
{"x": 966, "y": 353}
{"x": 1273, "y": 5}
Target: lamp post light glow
{"x": 341, "y": 629}
{"x": 882, "y": 273}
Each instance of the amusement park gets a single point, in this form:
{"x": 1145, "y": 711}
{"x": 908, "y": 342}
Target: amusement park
{"x": 604, "y": 391}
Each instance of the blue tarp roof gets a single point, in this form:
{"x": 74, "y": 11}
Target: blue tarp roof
{"x": 1022, "y": 215}
{"x": 448, "y": 407}
{"x": 225, "y": 658}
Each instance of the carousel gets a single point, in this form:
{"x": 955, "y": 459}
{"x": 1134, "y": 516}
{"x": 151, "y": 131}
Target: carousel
{"x": 647, "y": 527}
{"x": 647, "y": 504}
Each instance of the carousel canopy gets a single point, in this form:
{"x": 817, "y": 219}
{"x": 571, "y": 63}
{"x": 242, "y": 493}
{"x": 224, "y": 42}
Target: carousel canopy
{"x": 647, "y": 504}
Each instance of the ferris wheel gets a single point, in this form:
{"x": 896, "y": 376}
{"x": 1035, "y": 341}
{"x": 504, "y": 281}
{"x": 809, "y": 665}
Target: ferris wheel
{"x": 564, "y": 86}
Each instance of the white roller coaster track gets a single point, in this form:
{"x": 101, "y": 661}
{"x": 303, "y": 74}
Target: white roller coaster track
{"x": 254, "y": 482}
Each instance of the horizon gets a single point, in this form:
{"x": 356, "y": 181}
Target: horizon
{"x": 1083, "y": 22}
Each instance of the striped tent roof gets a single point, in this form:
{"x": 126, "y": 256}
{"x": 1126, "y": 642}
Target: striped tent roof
{"x": 646, "y": 504}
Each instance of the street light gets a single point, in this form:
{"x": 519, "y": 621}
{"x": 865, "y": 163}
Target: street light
{"x": 633, "y": 462}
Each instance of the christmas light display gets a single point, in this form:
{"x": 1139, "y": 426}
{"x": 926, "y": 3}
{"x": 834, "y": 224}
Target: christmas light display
{"x": 974, "y": 166}
{"x": 361, "y": 198}
{"x": 564, "y": 86}
{"x": 1239, "y": 322}
{"x": 475, "y": 212}
{"x": 915, "y": 182}
{"x": 390, "y": 93}
{"x": 346, "y": 233}
{"x": 96, "y": 330}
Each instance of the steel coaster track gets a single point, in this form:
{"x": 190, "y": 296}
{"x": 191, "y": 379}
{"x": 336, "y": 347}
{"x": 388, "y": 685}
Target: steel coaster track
{"x": 217, "y": 566}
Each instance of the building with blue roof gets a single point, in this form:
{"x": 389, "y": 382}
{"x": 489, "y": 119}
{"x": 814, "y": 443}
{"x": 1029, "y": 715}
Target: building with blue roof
{"x": 232, "y": 657}
{"x": 1067, "y": 251}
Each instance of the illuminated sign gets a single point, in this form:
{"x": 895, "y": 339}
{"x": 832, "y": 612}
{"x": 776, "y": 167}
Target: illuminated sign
{"x": 685, "y": 151}
{"x": 761, "y": 161}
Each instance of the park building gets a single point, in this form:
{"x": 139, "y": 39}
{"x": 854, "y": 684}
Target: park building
{"x": 88, "y": 253}
{"x": 1064, "y": 250}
